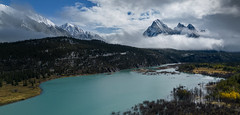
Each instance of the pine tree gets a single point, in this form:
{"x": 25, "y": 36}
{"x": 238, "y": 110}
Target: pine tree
{"x": 16, "y": 83}
{"x": 25, "y": 83}
{"x": 1, "y": 83}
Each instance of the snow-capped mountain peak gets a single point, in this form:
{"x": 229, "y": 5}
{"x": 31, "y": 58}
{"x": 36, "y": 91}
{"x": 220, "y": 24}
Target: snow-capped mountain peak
{"x": 159, "y": 24}
{"x": 181, "y": 25}
{"x": 68, "y": 25}
{"x": 191, "y": 27}
{"x": 74, "y": 30}
{"x": 157, "y": 27}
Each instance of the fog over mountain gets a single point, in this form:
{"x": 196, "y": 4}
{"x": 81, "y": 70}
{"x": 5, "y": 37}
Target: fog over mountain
{"x": 219, "y": 18}
{"x": 124, "y": 22}
{"x": 20, "y": 25}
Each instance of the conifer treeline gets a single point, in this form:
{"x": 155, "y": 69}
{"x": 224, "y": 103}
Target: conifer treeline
{"x": 39, "y": 58}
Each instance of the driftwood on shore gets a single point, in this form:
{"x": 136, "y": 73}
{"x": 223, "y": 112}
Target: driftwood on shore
{"x": 157, "y": 73}
{"x": 153, "y": 71}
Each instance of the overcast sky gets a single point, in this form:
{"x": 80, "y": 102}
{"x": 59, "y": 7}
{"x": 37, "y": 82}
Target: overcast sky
{"x": 124, "y": 21}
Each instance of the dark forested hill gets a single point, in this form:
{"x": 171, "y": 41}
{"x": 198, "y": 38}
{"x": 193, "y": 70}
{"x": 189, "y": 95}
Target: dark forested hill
{"x": 69, "y": 56}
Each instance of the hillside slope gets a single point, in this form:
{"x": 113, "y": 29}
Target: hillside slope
{"x": 69, "y": 56}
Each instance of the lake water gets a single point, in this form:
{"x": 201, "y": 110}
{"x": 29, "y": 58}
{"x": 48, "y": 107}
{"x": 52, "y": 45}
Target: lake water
{"x": 101, "y": 94}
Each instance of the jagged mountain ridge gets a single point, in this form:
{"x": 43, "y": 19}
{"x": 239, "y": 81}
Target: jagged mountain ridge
{"x": 158, "y": 27}
{"x": 188, "y": 30}
{"x": 30, "y": 21}
{"x": 35, "y": 23}
{"x": 77, "y": 32}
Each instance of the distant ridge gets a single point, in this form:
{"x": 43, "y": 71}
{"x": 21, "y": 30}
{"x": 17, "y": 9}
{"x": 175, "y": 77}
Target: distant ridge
{"x": 158, "y": 27}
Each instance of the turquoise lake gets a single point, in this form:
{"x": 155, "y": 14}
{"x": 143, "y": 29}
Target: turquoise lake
{"x": 101, "y": 94}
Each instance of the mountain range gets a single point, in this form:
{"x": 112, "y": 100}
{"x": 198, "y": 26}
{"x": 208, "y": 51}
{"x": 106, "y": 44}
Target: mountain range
{"x": 158, "y": 27}
{"x": 35, "y": 23}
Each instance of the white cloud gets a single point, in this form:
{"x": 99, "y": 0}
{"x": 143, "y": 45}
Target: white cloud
{"x": 166, "y": 41}
{"x": 114, "y": 13}
{"x": 104, "y": 15}
{"x": 197, "y": 9}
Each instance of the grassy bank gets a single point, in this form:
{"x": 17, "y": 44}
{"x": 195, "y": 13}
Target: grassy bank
{"x": 211, "y": 69}
{"x": 10, "y": 94}
{"x": 24, "y": 90}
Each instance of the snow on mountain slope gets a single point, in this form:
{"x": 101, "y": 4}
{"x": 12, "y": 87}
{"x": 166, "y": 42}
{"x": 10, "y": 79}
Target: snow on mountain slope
{"x": 77, "y": 32}
{"x": 7, "y": 9}
{"x": 29, "y": 21}
{"x": 32, "y": 22}
{"x": 24, "y": 15}
{"x": 158, "y": 27}
{"x": 189, "y": 30}
{"x": 72, "y": 29}
{"x": 41, "y": 19}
